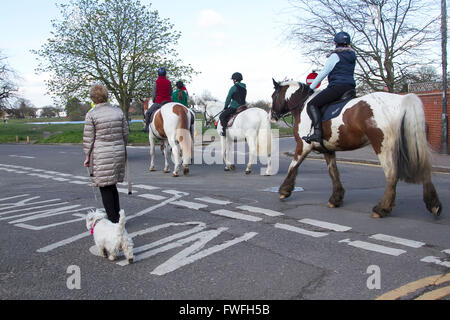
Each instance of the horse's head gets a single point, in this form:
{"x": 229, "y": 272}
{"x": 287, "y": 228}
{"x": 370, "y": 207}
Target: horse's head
{"x": 287, "y": 96}
{"x": 212, "y": 110}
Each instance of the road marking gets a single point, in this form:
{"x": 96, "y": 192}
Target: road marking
{"x": 24, "y": 157}
{"x": 213, "y": 201}
{"x": 414, "y": 286}
{"x": 435, "y": 294}
{"x": 190, "y": 205}
{"x": 325, "y": 225}
{"x": 267, "y": 212}
{"x": 436, "y": 260}
{"x": 300, "y": 230}
{"x": 373, "y": 247}
{"x": 236, "y": 215}
{"x": 446, "y": 251}
{"x": 123, "y": 190}
{"x": 145, "y": 187}
{"x": 396, "y": 240}
{"x": 152, "y": 197}
{"x": 64, "y": 242}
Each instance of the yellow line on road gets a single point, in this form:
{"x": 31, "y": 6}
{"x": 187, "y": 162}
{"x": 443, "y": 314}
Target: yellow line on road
{"x": 435, "y": 294}
{"x": 414, "y": 286}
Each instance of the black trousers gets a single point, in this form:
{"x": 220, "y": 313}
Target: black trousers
{"x": 110, "y": 199}
{"x": 150, "y": 110}
{"x": 225, "y": 116}
{"x": 328, "y": 95}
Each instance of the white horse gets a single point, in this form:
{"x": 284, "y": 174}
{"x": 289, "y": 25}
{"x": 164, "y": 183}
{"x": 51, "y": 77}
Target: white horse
{"x": 252, "y": 125}
{"x": 173, "y": 124}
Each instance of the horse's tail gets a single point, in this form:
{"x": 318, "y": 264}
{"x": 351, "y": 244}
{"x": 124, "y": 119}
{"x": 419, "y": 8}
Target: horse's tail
{"x": 412, "y": 150}
{"x": 184, "y": 132}
{"x": 264, "y": 139}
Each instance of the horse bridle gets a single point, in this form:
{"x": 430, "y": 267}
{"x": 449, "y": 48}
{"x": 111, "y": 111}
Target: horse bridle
{"x": 279, "y": 115}
{"x": 207, "y": 120}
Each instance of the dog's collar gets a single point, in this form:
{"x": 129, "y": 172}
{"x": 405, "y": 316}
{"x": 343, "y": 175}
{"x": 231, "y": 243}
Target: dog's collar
{"x": 93, "y": 227}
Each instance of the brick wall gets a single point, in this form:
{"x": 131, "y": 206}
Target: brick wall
{"x": 432, "y": 104}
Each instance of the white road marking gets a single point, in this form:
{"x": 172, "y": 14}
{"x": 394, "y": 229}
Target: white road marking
{"x": 27, "y": 209}
{"x": 145, "y": 187}
{"x": 436, "y": 260}
{"x": 64, "y": 242}
{"x": 190, "y": 205}
{"x": 213, "y": 201}
{"x": 396, "y": 240}
{"x": 267, "y": 212}
{"x": 373, "y": 247}
{"x": 313, "y": 234}
{"x": 122, "y": 190}
{"x": 446, "y": 251}
{"x": 152, "y": 197}
{"x": 325, "y": 225}
{"x": 236, "y": 215}
{"x": 24, "y": 157}
{"x": 80, "y": 182}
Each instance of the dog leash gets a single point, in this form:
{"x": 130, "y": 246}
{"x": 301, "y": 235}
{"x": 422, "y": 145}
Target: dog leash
{"x": 93, "y": 189}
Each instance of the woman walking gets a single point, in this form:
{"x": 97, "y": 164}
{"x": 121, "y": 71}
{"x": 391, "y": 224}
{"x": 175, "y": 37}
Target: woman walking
{"x": 104, "y": 144}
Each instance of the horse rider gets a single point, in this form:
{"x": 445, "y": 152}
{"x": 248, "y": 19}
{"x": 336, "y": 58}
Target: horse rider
{"x": 339, "y": 68}
{"x": 180, "y": 95}
{"x": 236, "y": 98}
{"x": 162, "y": 94}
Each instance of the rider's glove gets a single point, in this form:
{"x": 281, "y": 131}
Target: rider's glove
{"x": 310, "y": 91}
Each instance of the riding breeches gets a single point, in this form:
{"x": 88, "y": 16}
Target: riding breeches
{"x": 225, "y": 116}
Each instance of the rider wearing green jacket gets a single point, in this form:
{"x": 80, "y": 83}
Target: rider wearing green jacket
{"x": 236, "y": 98}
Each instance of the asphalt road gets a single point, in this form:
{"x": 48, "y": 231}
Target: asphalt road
{"x": 214, "y": 235}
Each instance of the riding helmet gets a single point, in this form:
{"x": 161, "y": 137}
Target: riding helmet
{"x": 180, "y": 85}
{"x": 342, "y": 38}
{"x": 237, "y": 76}
{"x": 162, "y": 72}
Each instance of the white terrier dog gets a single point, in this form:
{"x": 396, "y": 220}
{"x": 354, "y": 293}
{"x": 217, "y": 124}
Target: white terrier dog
{"x": 110, "y": 237}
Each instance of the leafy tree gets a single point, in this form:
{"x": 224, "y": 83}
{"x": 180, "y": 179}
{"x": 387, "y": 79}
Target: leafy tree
{"x": 119, "y": 43}
{"x": 391, "y": 37}
{"x": 76, "y": 110}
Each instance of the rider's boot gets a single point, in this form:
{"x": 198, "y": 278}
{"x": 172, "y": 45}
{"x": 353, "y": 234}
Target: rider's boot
{"x": 147, "y": 122}
{"x": 224, "y": 132}
{"x": 316, "y": 118}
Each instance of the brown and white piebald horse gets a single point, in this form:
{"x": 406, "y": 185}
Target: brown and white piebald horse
{"x": 173, "y": 124}
{"x": 394, "y": 125}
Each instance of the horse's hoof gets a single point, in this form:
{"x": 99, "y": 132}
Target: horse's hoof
{"x": 376, "y": 215}
{"x": 226, "y": 169}
{"x": 175, "y": 175}
{"x": 233, "y": 167}
{"x": 186, "y": 171}
{"x": 152, "y": 169}
{"x": 436, "y": 211}
{"x": 330, "y": 205}
{"x": 248, "y": 172}
{"x": 166, "y": 171}
{"x": 282, "y": 197}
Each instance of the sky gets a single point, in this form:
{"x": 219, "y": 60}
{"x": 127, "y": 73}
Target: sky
{"x": 218, "y": 38}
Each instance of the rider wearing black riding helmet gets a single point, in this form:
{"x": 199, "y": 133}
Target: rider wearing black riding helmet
{"x": 236, "y": 98}
{"x": 339, "y": 68}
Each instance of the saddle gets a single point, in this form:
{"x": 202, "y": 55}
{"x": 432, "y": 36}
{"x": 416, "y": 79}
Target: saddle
{"x": 233, "y": 117}
{"x": 333, "y": 109}
{"x": 152, "y": 115}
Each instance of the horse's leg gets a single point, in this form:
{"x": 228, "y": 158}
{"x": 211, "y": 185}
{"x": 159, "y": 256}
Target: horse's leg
{"x": 289, "y": 182}
{"x": 165, "y": 148}
{"x": 387, "y": 203}
{"x": 431, "y": 198}
{"x": 176, "y": 156}
{"x": 226, "y": 149}
{"x": 338, "y": 190}
{"x": 252, "y": 148}
{"x": 151, "y": 139}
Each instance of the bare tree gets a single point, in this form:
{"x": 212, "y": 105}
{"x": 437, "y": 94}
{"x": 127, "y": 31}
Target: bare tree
{"x": 7, "y": 85}
{"x": 391, "y": 37}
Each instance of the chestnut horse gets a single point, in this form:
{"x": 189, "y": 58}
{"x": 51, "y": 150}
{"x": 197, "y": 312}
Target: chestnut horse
{"x": 173, "y": 124}
{"x": 394, "y": 125}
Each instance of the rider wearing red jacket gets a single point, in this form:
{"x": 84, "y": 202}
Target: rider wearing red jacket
{"x": 162, "y": 93}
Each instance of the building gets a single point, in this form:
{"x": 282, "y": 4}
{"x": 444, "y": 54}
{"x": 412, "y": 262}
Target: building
{"x": 431, "y": 95}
